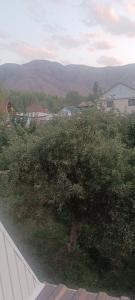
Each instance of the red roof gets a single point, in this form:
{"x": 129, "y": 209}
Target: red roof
{"x": 37, "y": 108}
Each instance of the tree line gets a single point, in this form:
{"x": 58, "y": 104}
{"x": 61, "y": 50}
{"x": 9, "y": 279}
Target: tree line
{"x": 22, "y": 99}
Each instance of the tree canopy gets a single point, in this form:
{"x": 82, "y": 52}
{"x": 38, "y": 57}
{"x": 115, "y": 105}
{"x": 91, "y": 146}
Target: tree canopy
{"x": 81, "y": 171}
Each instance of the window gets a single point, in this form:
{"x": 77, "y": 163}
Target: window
{"x": 109, "y": 103}
{"x": 131, "y": 102}
{"x": 113, "y": 96}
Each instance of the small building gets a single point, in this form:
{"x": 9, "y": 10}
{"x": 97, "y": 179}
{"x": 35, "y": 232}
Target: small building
{"x": 37, "y": 113}
{"x": 119, "y": 98}
{"x": 36, "y": 110}
{"x": 86, "y": 105}
{"x": 68, "y": 111}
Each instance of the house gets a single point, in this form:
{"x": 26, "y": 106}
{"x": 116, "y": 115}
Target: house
{"x": 68, "y": 111}
{"x": 85, "y": 105}
{"x": 18, "y": 282}
{"x": 120, "y": 98}
{"x": 36, "y": 110}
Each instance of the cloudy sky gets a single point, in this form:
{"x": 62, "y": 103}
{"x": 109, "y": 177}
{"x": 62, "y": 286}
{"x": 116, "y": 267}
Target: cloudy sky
{"x": 91, "y": 32}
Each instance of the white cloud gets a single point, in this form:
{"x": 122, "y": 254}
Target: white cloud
{"x": 103, "y": 45}
{"x": 29, "y": 52}
{"x": 68, "y": 41}
{"x": 37, "y": 10}
{"x": 130, "y": 7}
{"x": 108, "y": 17}
{"x": 53, "y": 28}
{"x": 4, "y": 35}
{"x": 108, "y": 61}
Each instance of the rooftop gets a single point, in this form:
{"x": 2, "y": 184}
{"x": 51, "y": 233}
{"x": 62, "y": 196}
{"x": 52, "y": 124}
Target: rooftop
{"x": 37, "y": 108}
{"x": 61, "y": 292}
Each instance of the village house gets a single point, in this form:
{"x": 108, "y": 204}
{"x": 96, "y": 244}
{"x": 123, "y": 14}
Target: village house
{"x": 68, "y": 111}
{"x": 85, "y": 105}
{"x": 38, "y": 113}
{"x": 36, "y": 110}
{"x": 119, "y": 98}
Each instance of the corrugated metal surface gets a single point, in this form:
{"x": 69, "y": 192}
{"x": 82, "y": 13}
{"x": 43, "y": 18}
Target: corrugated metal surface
{"x": 61, "y": 292}
{"x": 17, "y": 281}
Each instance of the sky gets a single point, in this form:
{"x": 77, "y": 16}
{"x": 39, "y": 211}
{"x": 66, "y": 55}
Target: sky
{"x": 90, "y": 32}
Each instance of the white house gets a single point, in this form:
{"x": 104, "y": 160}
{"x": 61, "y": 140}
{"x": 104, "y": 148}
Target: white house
{"x": 68, "y": 111}
{"x": 120, "y": 98}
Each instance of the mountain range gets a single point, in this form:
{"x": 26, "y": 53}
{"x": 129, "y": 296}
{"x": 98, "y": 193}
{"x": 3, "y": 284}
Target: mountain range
{"x": 56, "y": 79}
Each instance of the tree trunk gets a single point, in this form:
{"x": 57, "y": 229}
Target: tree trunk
{"x": 74, "y": 233}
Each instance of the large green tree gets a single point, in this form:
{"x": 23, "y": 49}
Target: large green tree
{"x": 84, "y": 171}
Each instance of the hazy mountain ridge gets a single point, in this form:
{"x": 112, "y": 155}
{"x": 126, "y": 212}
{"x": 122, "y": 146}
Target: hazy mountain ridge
{"x": 55, "y": 79}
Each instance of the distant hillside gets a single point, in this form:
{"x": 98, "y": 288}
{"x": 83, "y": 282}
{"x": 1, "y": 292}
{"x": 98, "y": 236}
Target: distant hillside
{"x": 56, "y": 79}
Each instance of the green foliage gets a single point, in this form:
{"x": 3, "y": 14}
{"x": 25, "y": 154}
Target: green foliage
{"x": 3, "y": 98}
{"x": 97, "y": 91}
{"x": 129, "y": 135}
{"x": 4, "y": 137}
{"x": 21, "y": 100}
{"x": 82, "y": 167}
{"x": 73, "y": 98}
{"x": 75, "y": 179}
{"x": 3, "y": 94}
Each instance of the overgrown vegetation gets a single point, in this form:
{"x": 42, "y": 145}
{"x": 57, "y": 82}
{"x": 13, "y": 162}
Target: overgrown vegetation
{"x": 21, "y": 100}
{"x": 70, "y": 188}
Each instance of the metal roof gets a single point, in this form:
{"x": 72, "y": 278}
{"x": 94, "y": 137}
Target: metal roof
{"x": 116, "y": 84}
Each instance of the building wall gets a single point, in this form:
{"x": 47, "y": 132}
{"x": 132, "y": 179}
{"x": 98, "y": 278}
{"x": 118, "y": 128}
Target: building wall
{"x": 120, "y": 105}
{"x": 65, "y": 112}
